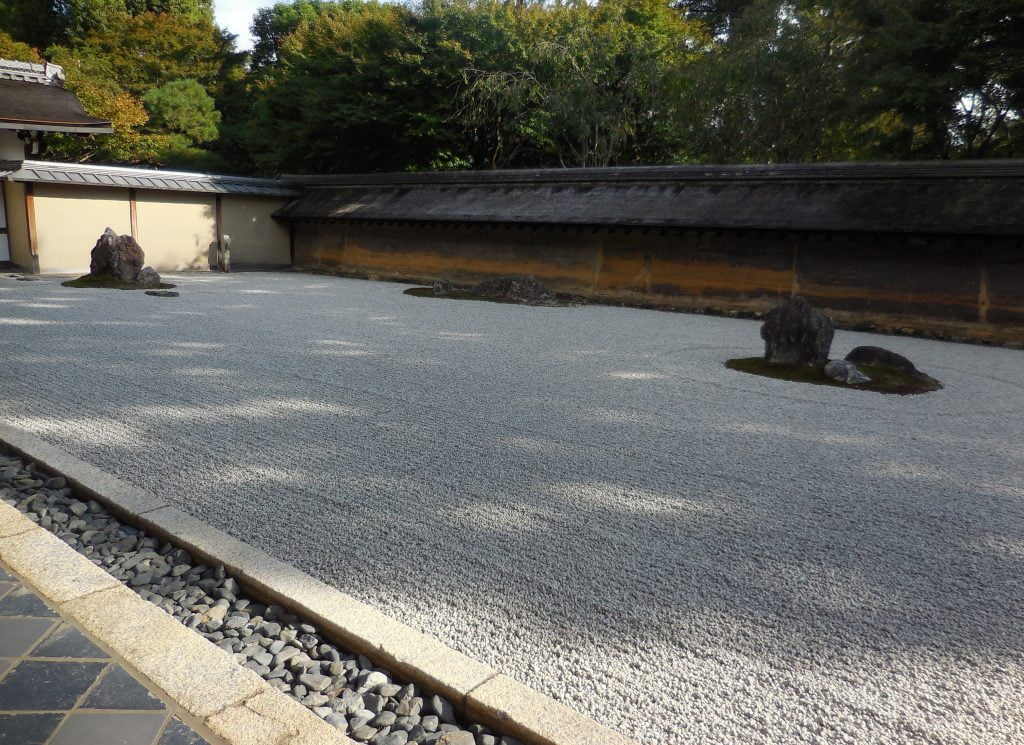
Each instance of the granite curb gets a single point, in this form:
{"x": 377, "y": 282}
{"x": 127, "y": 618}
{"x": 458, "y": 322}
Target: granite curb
{"x": 475, "y": 689}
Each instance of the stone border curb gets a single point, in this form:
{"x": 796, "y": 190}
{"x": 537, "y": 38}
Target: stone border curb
{"x": 204, "y": 681}
{"x": 493, "y": 699}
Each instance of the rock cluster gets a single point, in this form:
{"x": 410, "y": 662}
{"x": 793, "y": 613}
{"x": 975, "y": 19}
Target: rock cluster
{"x": 796, "y": 334}
{"x": 121, "y": 257}
{"x": 516, "y": 288}
{"x": 344, "y": 689}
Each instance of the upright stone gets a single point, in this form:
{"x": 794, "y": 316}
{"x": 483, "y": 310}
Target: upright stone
{"x": 794, "y": 333}
{"x": 117, "y": 256}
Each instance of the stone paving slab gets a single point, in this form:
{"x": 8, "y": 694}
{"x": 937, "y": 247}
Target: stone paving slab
{"x": 59, "y": 688}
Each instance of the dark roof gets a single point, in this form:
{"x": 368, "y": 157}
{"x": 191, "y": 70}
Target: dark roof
{"x": 962, "y": 197}
{"x": 85, "y": 174}
{"x": 51, "y": 108}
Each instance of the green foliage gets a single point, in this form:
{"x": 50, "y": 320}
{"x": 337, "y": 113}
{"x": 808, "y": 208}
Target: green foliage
{"x": 183, "y": 107}
{"x": 116, "y": 53}
{"x": 770, "y": 91}
{"x": 352, "y": 90}
{"x": 362, "y": 85}
{"x": 17, "y": 50}
{"x": 151, "y": 49}
{"x": 272, "y": 25}
{"x": 33, "y": 22}
{"x": 939, "y": 78}
{"x": 100, "y": 94}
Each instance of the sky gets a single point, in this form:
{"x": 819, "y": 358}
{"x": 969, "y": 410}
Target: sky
{"x": 236, "y": 15}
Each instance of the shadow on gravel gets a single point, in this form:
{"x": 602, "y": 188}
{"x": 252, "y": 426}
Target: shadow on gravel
{"x": 621, "y": 517}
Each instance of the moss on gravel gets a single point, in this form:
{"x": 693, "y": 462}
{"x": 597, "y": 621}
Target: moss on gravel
{"x": 883, "y": 379}
{"x": 450, "y": 295}
{"x": 104, "y": 282}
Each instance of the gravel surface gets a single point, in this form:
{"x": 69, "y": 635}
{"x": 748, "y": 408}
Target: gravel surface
{"x": 584, "y": 498}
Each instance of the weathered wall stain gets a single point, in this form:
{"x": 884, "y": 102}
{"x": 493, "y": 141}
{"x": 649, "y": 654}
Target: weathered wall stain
{"x": 960, "y": 287}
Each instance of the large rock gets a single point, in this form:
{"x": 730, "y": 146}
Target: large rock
{"x": 516, "y": 288}
{"x": 880, "y": 357}
{"x": 117, "y": 256}
{"x": 794, "y": 333}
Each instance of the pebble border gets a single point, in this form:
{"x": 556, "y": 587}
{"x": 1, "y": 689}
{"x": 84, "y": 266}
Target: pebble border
{"x": 284, "y": 639}
{"x": 223, "y": 702}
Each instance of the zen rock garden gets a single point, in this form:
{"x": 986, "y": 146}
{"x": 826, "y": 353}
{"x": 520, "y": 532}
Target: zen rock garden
{"x": 118, "y": 262}
{"x": 797, "y": 344}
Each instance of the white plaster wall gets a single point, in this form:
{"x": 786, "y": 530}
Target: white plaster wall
{"x": 11, "y": 148}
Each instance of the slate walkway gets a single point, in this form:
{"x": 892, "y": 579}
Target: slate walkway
{"x": 58, "y": 688}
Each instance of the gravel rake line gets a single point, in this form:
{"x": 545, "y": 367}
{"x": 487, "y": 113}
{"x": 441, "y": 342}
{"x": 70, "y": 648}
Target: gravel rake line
{"x": 346, "y": 690}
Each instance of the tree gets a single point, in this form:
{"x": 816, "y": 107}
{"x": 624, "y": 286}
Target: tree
{"x": 151, "y": 49}
{"x": 102, "y": 97}
{"x": 613, "y": 71}
{"x": 351, "y": 91}
{"x": 482, "y": 50}
{"x": 183, "y": 107}
{"x": 771, "y": 90}
{"x": 579, "y": 84}
{"x": 939, "y": 78}
{"x": 272, "y": 25}
{"x": 33, "y": 22}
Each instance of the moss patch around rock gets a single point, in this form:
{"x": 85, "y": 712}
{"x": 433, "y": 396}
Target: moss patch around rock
{"x": 883, "y": 379}
{"x": 467, "y": 295}
{"x": 103, "y": 282}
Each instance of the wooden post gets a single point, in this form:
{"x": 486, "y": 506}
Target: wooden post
{"x": 983, "y": 297}
{"x": 218, "y": 220}
{"x": 33, "y": 234}
{"x": 795, "y": 289}
{"x": 133, "y": 212}
{"x": 3, "y": 211}
{"x": 291, "y": 242}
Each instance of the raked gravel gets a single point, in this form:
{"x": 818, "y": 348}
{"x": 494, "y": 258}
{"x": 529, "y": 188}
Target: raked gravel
{"x": 583, "y": 498}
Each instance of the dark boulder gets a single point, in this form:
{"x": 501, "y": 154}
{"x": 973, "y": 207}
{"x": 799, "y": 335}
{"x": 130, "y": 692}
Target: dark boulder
{"x": 516, "y": 288}
{"x": 148, "y": 277}
{"x": 117, "y": 256}
{"x": 880, "y": 357}
{"x": 795, "y": 333}
{"x": 161, "y": 293}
